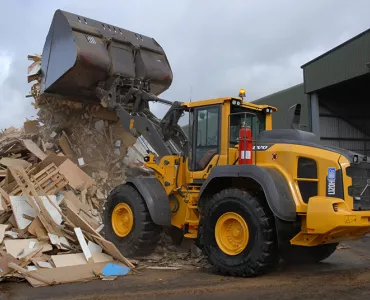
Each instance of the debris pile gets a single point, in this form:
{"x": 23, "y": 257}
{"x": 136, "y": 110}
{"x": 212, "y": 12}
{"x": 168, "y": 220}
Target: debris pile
{"x": 50, "y": 222}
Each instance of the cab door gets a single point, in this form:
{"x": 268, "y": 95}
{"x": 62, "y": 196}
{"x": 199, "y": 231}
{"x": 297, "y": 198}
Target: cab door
{"x": 205, "y": 148}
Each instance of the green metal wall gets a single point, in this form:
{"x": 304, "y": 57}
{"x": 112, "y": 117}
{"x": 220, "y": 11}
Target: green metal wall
{"x": 349, "y": 60}
{"x": 283, "y": 100}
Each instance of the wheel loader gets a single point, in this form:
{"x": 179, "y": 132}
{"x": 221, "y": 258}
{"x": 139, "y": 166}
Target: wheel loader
{"x": 248, "y": 195}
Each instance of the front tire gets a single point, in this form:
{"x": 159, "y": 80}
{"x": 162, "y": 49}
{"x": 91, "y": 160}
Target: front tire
{"x": 239, "y": 235}
{"x": 127, "y": 222}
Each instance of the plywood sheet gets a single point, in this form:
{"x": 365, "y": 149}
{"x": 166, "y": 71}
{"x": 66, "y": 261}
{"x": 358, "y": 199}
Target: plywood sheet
{"x": 79, "y": 222}
{"x": 12, "y": 162}
{"x": 65, "y": 260}
{"x": 32, "y": 147}
{"x": 79, "y": 273}
{"x": 77, "y": 178}
{"x": 4, "y": 261}
{"x": 20, "y": 206}
{"x": 14, "y": 247}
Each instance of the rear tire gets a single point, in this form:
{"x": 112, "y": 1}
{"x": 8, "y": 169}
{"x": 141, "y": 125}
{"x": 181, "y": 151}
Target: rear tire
{"x": 307, "y": 255}
{"x": 261, "y": 251}
{"x": 144, "y": 235}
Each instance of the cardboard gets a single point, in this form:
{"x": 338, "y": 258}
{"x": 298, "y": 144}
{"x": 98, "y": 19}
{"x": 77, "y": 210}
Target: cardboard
{"x": 33, "y": 148}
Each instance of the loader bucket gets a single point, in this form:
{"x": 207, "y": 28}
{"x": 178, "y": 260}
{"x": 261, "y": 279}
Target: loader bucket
{"x": 80, "y": 53}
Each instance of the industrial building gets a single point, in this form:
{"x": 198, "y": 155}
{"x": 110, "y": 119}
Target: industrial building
{"x": 333, "y": 96}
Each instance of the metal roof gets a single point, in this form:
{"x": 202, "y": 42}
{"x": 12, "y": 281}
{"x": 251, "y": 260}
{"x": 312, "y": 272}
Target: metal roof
{"x": 346, "y": 61}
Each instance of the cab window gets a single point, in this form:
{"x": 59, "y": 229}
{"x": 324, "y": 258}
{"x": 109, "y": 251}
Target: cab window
{"x": 206, "y": 135}
{"x": 240, "y": 117}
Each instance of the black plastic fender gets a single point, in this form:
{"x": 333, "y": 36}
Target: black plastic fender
{"x": 274, "y": 185}
{"x": 155, "y": 197}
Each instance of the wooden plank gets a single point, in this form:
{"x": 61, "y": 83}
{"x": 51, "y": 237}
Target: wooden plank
{"x": 66, "y": 260}
{"x": 66, "y": 148}
{"x": 79, "y": 273}
{"x": 77, "y": 178}
{"x": 3, "y": 206}
{"x": 37, "y": 229}
{"x": 2, "y": 232}
{"x": 5, "y": 196}
{"x": 14, "y": 247}
{"x": 43, "y": 214}
{"x": 79, "y": 222}
{"x": 112, "y": 250}
{"x": 11, "y": 162}
{"x": 4, "y": 261}
{"x": 83, "y": 244}
{"x": 30, "y": 274}
{"x": 33, "y": 148}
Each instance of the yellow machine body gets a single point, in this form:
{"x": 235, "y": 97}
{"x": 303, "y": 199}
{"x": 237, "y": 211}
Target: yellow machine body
{"x": 323, "y": 219}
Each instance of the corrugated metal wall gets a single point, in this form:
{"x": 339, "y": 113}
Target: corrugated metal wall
{"x": 344, "y": 62}
{"x": 283, "y": 100}
{"x": 336, "y": 132}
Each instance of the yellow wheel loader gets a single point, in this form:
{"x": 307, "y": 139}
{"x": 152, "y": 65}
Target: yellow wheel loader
{"x": 284, "y": 196}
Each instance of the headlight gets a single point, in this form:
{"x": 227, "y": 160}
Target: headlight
{"x": 233, "y": 102}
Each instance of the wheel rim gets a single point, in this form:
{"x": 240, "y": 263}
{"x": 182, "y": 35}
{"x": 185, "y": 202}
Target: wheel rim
{"x": 231, "y": 233}
{"x": 122, "y": 219}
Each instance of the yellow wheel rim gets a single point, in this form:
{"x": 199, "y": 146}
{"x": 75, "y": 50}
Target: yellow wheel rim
{"x": 231, "y": 233}
{"x": 122, "y": 219}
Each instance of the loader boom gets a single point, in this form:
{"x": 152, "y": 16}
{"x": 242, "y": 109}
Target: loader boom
{"x": 88, "y": 61}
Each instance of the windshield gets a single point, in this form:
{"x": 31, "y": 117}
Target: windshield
{"x": 244, "y": 117}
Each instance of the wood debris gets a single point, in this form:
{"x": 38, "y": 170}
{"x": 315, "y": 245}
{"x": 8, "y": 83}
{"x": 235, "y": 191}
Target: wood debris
{"x": 50, "y": 211}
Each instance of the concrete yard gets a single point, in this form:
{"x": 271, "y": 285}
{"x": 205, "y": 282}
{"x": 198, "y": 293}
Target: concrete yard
{"x": 345, "y": 275}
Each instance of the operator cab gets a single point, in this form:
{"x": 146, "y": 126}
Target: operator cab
{"x": 214, "y": 127}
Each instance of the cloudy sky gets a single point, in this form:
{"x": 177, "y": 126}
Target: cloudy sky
{"x": 214, "y": 47}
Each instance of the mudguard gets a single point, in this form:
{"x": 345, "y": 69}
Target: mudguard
{"x": 155, "y": 197}
{"x": 274, "y": 185}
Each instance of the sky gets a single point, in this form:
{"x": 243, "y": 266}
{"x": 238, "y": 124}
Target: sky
{"x": 214, "y": 47}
